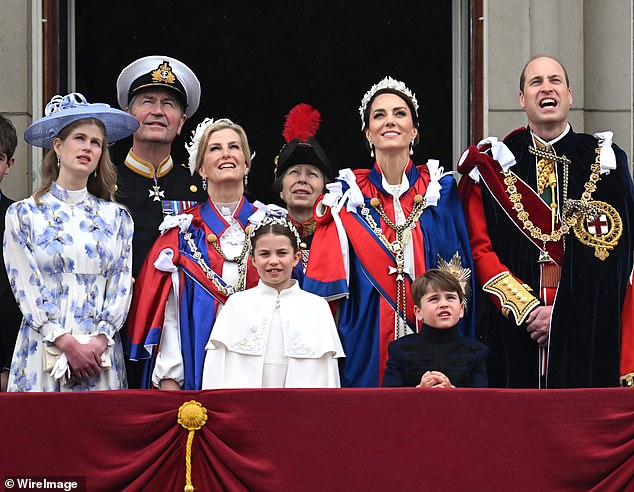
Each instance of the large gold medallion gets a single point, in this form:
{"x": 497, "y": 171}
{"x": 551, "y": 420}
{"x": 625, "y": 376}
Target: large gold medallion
{"x": 600, "y": 231}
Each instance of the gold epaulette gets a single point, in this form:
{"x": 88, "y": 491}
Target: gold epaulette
{"x": 516, "y": 298}
{"x": 627, "y": 381}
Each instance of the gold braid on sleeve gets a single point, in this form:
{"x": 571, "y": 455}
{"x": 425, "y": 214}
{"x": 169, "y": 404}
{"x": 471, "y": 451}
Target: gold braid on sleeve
{"x": 516, "y": 298}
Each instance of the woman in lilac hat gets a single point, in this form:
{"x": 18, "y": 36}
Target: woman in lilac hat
{"x": 68, "y": 254}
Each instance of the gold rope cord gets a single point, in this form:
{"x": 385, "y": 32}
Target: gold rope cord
{"x": 192, "y": 416}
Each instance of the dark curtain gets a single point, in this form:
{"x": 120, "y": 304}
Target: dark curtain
{"x": 256, "y": 60}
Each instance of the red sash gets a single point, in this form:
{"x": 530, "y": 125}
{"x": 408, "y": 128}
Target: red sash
{"x": 539, "y": 213}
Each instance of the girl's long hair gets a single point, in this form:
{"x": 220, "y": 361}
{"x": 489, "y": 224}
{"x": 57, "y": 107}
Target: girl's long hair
{"x": 102, "y": 185}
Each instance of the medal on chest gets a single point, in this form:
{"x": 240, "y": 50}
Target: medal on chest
{"x": 156, "y": 191}
{"x": 598, "y": 226}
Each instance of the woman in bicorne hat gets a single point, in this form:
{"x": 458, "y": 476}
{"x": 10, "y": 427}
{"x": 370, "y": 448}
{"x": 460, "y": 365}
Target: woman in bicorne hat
{"x": 68, "y": 254}
{"x": 380, "y": 228}
{"x": 302, "y": 170}
{"x": 200, "y": 259}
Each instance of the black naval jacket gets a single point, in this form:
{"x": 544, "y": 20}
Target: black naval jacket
{"x": 136, "y": 191}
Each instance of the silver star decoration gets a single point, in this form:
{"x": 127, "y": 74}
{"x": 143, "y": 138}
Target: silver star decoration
{"x": 157, "y": 193}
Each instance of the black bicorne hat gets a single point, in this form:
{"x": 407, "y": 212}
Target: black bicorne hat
{"x": 302, "y": 122}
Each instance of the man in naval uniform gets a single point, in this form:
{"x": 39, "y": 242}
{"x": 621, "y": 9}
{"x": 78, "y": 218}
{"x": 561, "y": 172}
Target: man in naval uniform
{"x": 160, "y": 92}
{"x": 549, "y": 213}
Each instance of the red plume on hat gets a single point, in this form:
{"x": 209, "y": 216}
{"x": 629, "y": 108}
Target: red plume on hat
{"x": 301, "y": 147}
{"x": 302, "y": 122}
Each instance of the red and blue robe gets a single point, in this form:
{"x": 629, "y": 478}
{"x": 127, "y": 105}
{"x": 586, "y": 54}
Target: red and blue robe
{"x": 367, "y": 305}
{"x": 199, "y": 298}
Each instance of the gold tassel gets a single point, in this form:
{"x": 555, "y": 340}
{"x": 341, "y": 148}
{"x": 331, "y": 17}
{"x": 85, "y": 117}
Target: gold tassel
{"x": 192, "y": 416}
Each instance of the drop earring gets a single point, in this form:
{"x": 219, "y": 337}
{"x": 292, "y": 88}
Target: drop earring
{"x": 59, "y": 161}
{"x": 371, "y": 148}
{"x": 204, "y": 180}
{"x": 411, "y": 147}
{"x": 246, "y": 179}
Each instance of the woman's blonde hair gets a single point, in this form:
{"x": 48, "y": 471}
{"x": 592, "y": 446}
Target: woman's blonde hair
{"x": 221, "y": 125}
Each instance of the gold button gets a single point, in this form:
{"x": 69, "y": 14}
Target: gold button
{"x": 418, "y": 198}
{"x": 212, "y": 238}
{"x": 133, "y": 280}
{"x": 193, "y": 188}
{"x": 303, "y": 245}
{"x": 374, "y": 202}
{"x": 247, "y": 229}
{"x": 116, "y": 188}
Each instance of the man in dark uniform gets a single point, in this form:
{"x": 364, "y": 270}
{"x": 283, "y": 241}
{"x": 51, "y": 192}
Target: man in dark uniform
{"x": 10, "y": 314}
{"x": 160, "y": 92}
{"x": 549, "y": 213}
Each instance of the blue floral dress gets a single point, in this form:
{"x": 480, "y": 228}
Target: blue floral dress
{"x": 69, "y": 264}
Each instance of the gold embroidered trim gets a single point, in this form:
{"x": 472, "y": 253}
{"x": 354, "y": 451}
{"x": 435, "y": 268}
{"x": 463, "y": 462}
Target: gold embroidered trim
{"x": 164, "y": 74}
{"x": 139, "y": 166}
{"x": 514, "y": 296}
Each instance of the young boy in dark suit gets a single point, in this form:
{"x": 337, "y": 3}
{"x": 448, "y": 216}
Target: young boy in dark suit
{"x": 438, "y": 356}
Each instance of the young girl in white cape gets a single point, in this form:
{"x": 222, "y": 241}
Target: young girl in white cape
{"x": 274, "y": 335}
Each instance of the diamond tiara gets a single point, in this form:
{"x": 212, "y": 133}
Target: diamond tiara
{"x": 387, "y": 83}
{"x": 197, "y": 134}
{"x": 271, "y": 214}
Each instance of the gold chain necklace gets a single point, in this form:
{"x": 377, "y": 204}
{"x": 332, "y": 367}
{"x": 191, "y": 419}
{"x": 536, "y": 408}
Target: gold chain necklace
{"x": 397, "y": 248}
{"x": 572, "y": 209}
{"x": 216, "y": 279}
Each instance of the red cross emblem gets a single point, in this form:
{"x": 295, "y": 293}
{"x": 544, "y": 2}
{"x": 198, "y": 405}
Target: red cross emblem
{"x": 598, "y": 225}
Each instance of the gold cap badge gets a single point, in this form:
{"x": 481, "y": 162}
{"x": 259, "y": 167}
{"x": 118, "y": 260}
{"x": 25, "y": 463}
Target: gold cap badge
{"x": 164, "y": 74}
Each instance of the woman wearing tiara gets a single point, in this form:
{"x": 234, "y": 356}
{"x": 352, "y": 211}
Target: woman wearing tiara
{"x": 200, "y": 259}
{"x": 68, "y": 254}
{"x": 274, "y": 335}
{"x": 378, "y": 229}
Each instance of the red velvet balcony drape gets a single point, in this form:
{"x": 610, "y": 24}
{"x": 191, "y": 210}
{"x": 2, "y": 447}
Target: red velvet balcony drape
{"x": 350, "y": 439}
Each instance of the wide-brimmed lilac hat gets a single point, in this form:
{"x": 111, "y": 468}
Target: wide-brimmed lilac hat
{"x": 63, "y": 110}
